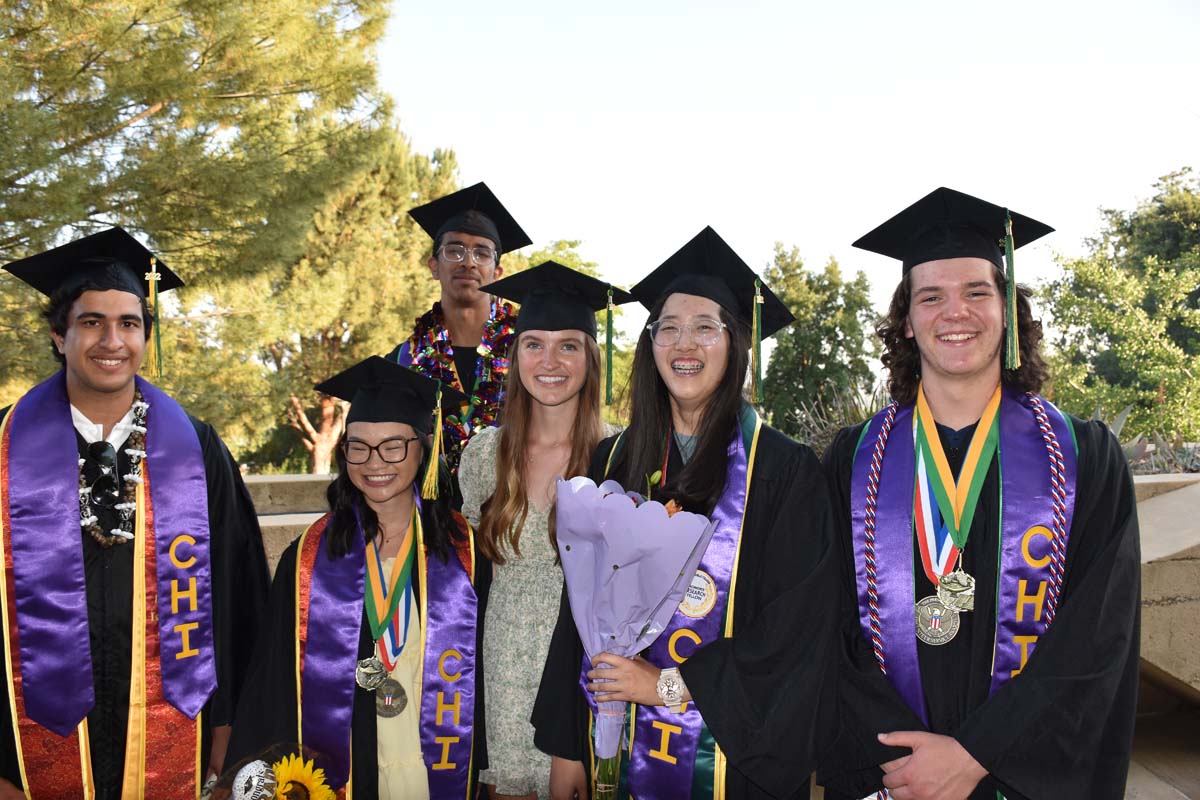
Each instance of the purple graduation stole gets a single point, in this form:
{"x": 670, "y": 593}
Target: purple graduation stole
{"x": 329, "y": 607}
{"x": 45, "y": 603}
{"x": 675, "y": 755}
{"x": 1038, "y": 475}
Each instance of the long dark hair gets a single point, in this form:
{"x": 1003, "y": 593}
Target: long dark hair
{"x": 438, "y": 521}
{"x": 903, "y": 359}
{"x": 699, "y": 485}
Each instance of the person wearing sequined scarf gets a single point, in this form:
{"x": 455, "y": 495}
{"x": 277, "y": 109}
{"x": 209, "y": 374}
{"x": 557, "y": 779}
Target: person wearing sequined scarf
{"x": 989, "y": 544}
{"x": 463, "y": 341}
{"x": 132, "y": 570}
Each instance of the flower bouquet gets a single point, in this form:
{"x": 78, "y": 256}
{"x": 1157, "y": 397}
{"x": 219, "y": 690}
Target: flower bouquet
{"x": 627, "y": 563}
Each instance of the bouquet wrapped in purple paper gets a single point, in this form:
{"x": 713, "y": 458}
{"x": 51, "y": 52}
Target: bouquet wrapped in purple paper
{"x": 627, "y": 563}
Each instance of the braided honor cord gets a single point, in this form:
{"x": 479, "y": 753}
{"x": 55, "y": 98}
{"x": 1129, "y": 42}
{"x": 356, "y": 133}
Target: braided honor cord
{"x": 872, "y": 502}
{"x": 1058, "y": 493}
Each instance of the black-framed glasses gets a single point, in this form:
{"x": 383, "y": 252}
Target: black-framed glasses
{"x": 457, "y": 253}
{"x": 105, "y": 492}
{"x": 391, "y": 451}
{"x": 705, "y": 331}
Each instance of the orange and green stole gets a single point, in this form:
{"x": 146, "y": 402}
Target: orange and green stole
{"x": 43, "y": 601}
{"x": 330, "y": 597}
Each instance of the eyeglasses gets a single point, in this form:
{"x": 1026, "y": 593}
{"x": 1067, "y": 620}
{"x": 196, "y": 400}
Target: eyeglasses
{"x": 457, "y": 253}
{"x": 391, "y": 451}
{"x": 667, "y": 333}
{"x": 104, "y": 491}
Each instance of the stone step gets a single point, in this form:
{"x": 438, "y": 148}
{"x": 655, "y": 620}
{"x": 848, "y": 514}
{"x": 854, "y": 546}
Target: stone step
{"x": 288, "y": 494}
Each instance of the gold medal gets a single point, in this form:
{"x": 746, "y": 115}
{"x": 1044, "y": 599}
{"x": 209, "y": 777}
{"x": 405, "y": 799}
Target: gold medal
{"x": 937, "y": 623}
{"x": 370, "y": 673}
{"x": 390, "y": 699}
{"x": 956, "y": 590}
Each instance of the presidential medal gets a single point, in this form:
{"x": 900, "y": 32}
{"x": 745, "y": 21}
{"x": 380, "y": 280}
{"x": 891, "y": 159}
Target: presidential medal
{"x": 370, "y": 673}
{"x": 390, "y": 699}
{"x": 936, "y": 622}
{"x": 956, "y": 590}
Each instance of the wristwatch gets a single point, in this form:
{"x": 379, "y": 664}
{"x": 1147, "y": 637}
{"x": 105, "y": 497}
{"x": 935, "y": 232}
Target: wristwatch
{"x": 670, "y": 689}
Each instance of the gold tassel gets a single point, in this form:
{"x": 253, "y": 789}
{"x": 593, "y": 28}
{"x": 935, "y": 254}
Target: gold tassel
{"x": 154, "y": 346}
{"x": 429, "y": 486}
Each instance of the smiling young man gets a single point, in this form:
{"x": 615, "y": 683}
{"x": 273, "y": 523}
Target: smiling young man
{"x": 133, "y": 567}
{"x": 463, "y": 340}
{"x": 990, "y": 541}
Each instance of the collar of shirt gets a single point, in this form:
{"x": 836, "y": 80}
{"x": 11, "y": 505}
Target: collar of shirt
{"x": 92, "y": 432}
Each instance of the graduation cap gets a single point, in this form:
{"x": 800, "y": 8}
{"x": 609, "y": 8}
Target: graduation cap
{"x": 949, "y": 224}
{"x": 708, "y": 267}
{"x": 474, "y": 210}
{"x": 111, "y": 259}
{"x": 558, "y": 298}
{"x": 383, "y": 391}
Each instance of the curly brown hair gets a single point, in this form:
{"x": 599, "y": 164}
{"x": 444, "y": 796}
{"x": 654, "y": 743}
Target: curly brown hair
{"x": 903, "y": 360}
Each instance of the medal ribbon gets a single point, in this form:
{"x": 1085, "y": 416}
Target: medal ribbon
{"x": 955, "y": 501}
{"x": 381, "y": 602}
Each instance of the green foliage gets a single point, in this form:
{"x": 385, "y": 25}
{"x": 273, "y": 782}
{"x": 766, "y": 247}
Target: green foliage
{"x": 1128, "y": 317}
{"x": 817, "y": 422}
{"x": 214, "y": 129}
{"x": 823, "y": 359}
{"x": 353, "y": 291}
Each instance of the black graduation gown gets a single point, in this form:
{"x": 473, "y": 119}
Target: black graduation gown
{"x": 766, "y": 693}
{"x": 239, "y": 592}
{"x": 1063, "y": 727}
{"x": 267, "y": 711}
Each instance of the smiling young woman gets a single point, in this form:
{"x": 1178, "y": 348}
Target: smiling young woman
{"x": 550, "y": 426}
{"x": 377, "y": 608}
{"x": 745, "y": 654}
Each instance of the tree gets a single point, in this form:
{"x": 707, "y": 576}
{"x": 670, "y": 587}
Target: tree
{"x": 212, "y": 129}
{"x": 1128, "y": 316}
{"x": 826, "y": 352}
{"x": 352, "y": 292}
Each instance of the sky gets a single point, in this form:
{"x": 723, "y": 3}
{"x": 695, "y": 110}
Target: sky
{"x": 634, "y": 125}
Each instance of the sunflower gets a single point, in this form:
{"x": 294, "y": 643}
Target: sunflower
{"x": 298, "y": 779}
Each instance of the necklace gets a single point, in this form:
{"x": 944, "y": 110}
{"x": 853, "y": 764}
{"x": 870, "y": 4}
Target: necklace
{"x": 135, "y": 448}
{"x": 433, "y": 356}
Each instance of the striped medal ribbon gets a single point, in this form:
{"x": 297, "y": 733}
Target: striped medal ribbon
{"x": 943, "y": 510}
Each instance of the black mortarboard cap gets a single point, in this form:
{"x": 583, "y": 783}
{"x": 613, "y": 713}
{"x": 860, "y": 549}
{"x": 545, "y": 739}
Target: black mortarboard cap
{"x": 474, "y": 210}
{"x": 383, "y": 391}
{"x": 949, "y": 224}
{"x": 111, "y": 259}
{"x": 557, "y": 298}
{"x": 708, "y": 267}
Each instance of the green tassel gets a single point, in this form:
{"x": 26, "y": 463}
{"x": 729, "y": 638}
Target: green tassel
{"x": 1012, "y": 344}
{"x": 608, "y": 349}
{"x": 756, "y": 387}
